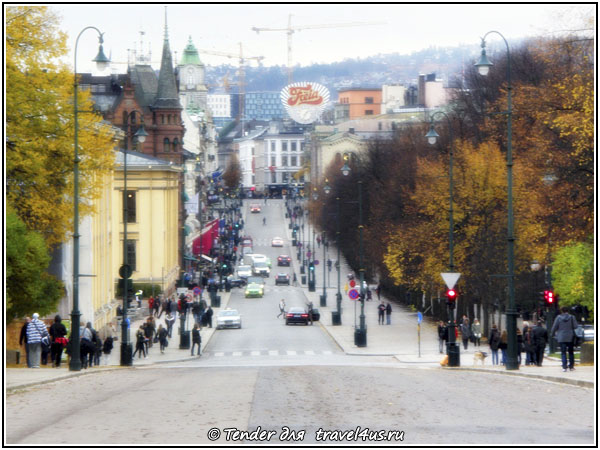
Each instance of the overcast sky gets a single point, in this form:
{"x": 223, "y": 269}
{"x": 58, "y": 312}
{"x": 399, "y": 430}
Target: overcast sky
{"x": 385, "y": 28}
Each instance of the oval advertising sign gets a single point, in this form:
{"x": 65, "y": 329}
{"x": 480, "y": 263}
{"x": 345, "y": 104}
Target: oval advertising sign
{"x": 304, "y": 102}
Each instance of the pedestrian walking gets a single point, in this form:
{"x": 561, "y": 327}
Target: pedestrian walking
{"x": 309, "y": 309}
{"x": 442, "y": 334}
{"x": 98, "y": 352}
{"x": 58, "y": 331}
{"x": 494, "y": 342}
{"x": 157, "y": 304}
{"x": 149, "y": 331}
{"x": 281, "y": 308}
{"x": 86, "y": 345}
{"x": 45, "y": 350}
{"x": 23, "y": 339}
{"x": 162, "y": 338}
{"x": 140, "y": 342}
{"x": 381, "y": 311}
{"x": 378, "y": 291}
{"x": 170, "y": 321}
{"x": 209, "y": 314}
{"x": 197, "y": 312}
{"x": 164, "y": 307}
{"x": 150, "y": 304}
{"x": 476, "y": 333}
{"x": 529, "y": 345}
{"x": 294, "y": 280}
{"x": 196, "y": 338}
{"x": 503, "y": 345}
{"x": 369, "y": 295}
{"x": 388, "y": 313}
{"x": 540, "y": 338}
{"x": 520, "y": 346}
{"x": 36, "y": 331}
{"x": 465, "y": 332}
{"x": 107, "y": 349}
{"x": 564, "y": 328}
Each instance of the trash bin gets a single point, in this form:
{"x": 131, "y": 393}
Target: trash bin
{"x": 322, "y": 300}
{"x": 184, "y": 339}
{"x": 302, "y": 269}
{"x": 360, "y": 337}
{"x": 336, "y": 318}
{"x": 303, "y": 279}
{"x": 215, "y": 302}
{"x": 453, "y": 354}
{"x": 126, "y": 354}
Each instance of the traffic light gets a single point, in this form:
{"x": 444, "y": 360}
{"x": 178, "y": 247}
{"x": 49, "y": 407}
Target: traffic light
{"x": 451, "y": 295}
{"x": 311, "y": 267}
{"x": 549, "y": 298}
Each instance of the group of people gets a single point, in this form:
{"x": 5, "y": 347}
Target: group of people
{"x": 385, "y": 311}
{"x": 532, "y": 340}
{"x": 148, "y": 334}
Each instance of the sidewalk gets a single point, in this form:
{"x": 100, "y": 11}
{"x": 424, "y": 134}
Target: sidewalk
{"x": 401, "y": 339}
{"x": 18, "y": 378}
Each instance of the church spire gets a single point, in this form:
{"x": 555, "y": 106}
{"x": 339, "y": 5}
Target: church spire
{"x": 166, "y": 96}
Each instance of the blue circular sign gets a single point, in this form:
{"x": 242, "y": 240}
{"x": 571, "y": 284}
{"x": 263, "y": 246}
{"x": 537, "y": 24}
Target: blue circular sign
{"x": 197, "y": 290}
{"x": 353, "y": 294}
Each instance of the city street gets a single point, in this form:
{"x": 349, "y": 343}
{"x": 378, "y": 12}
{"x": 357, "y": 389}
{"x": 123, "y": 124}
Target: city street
{"x": 295, "y": 384}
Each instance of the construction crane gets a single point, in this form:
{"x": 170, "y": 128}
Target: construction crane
{"x": 241, "y": 72}
{"x": 290, "y": 30}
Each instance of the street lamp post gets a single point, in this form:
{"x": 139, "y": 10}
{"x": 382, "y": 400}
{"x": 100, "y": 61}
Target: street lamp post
{"x": 453, "y": 350}
{"x": 326, "y": 189}
{"x": 126, "y": 348}
{"x": 101, "y": 62}
{"x": 360, "y": 334}
{"x": 483, "y": 66}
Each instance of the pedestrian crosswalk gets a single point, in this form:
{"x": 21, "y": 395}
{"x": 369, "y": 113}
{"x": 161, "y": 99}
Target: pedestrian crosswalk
{"x": 268, "y": 353}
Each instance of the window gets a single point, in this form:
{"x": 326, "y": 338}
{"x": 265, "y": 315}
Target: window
{"x": 252, "y": 150}
{"x": 284, "y": 161}
{"x": 273, "y": 146}
{"x": 162, "y": 119}
{"x": 273, "y": 177}
{"x": 368, "y": 112}
{"x": 284, "y": 146}
{"x": 369, "y": 100}
{"x": 294, "y": 161}
{"x": 294, "y": 146}
{"x": 131, "y": 203}
{"x": 273, "y": 161}
{"x": 168, "y": 118}
{"x": 131, "y": 256}
{"x": 166, "y": 145}
{"x": 175, "y": 144}
{"x": 285, "y": 177}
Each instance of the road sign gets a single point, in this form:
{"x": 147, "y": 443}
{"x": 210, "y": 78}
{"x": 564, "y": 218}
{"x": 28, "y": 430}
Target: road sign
{"x": 352, "y": 283}
{"x": 316, "y": 262}
{"x": 197, "y": 291}
{"x": 419, "y": 317}
{"x": 450, "y": 278}
{"x": 353, "y": 294}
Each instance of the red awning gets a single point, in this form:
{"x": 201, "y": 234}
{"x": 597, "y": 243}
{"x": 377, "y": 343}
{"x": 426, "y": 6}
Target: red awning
{"x": 204, "y": 243}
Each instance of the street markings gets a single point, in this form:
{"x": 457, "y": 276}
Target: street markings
{"x": 270, "y": 353}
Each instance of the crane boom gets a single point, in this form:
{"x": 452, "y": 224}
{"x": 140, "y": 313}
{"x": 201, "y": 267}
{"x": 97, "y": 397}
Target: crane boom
{"x": 291, "y": 29}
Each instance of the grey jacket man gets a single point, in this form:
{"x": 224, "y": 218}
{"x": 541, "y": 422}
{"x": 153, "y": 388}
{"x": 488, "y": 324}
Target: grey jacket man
{"x": 564, "y": 327}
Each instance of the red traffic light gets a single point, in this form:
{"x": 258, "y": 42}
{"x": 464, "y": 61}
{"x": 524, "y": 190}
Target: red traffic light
{"x": 451, "y": 294}
{"x": 549, "y": 297}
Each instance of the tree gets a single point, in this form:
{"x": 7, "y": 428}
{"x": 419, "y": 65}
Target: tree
{"x": 233, "y": 173}
{"x": 40, "y": 127}
{"x": 573, "y": 274}
{"x": 29, "y": 288}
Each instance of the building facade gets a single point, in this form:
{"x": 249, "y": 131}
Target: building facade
{"x": 263, "y": 106}
{"x": 357, "y": 102}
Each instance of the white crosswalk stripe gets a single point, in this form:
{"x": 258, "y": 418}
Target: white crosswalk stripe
{"x": 236, "y": 354}
{"x": 271, "y": 353}
{"x": 291, "y": 352}
{"x": 255, "y": 353}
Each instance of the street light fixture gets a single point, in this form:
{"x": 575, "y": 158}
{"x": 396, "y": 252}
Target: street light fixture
{"x": 140, "y": 134}
{"x": 483, "y": 65}
{"x": 360, "y": 334}
{"x": 453, "y": 350}
{"x": 323, "y": 299}
{"x": 101, "y": 63}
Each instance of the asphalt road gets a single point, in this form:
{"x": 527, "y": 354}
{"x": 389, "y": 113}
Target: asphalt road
{"x": 294, "y": 385}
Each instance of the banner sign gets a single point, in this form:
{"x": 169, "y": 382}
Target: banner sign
{"x": 304, "y": 102}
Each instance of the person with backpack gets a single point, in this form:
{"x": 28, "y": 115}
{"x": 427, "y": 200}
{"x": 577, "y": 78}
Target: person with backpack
{"x": 58, "y": 331}
{"x": 196, "y": 338}
{"x": 162, "y": 338}
{"x": 107, "y": 348}
{"x": 86, "y": 345}
{"x": 540, "y": 338}
{"x": 381, "y": 311}
{"x": 494, "y": 342}
{"x": 564, "y": 328}
{"x": 140, "y": 342}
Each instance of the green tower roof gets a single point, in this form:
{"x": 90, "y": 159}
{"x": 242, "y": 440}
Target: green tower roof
{"x": 190, "y": 55}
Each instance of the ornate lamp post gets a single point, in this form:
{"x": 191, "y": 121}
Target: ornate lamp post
{"x": 102, "y": 63}
{"x": 126, "y": 270}
{"x": 483, "y": 65}
{"x": 453, "y": 350}
{"x": 360, "y": 334}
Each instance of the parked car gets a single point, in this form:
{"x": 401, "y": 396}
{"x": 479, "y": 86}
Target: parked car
{"x": 229, "y": 318}
{"x": 234, "y": 282}
{"x": 254, "y": 290}
{"x": 296, "y": 315}
{"x": 284, "y": 260}
{"x": 282, "y": 278}
{"x": 277, "y": 242}
{"x": 261, "y": 268}
{"x": 255, "y": 208}
{"x": 588, "y": 332}
{"x": 244, "y": 271}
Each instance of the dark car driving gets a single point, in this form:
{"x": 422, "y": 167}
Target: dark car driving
{"x": 282, "y": 278}
{"x": 296, "y": 315}
{"x": 284, "y": 260}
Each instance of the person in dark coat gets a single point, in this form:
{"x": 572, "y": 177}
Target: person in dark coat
{"x": 140, "y": 342}
{"x": 196, "y": 339}
{"x": 58, "y": 331}
{"x": 442, "y": 334}
{"x": 388, "y": 313}
{"x": 465, "y": 332}
{"x": 540, "y": 338}
{"x": 209, "y": 315}
{"x": 23, "y": 339}
{"x": 564, "y": 329}
{"x": 494, "y": 342}
{"x": 162, "y": 338}
{"x": 170, "y": 321}
{"x": 107, "y": 348}
{"x": 381, "y": 311}
{"x": 529, "y": 346}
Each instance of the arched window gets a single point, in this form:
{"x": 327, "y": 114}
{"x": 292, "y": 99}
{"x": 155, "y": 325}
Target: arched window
{"x": 166, "y": 145}
{"x": 175, "y": 144}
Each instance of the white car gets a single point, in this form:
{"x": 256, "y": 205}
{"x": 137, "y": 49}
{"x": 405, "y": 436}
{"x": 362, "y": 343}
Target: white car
{"x": 244, "y": 271}
{"x": 277, "y": 242}
{"x": 229, "y": 318}
{"x": 257, "y": 257}
{"x": 261, "y": 268}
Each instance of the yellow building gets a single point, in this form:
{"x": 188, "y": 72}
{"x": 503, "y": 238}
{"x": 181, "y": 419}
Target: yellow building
{"x": 152, "y": 225}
